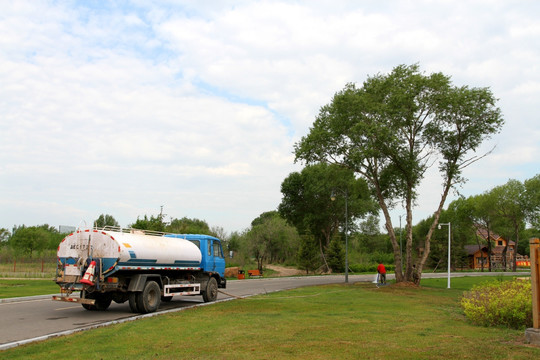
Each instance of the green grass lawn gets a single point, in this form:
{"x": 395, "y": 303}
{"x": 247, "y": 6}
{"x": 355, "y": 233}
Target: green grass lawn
{"x": 19, "y": 288}
{"x": 356, "y": 321}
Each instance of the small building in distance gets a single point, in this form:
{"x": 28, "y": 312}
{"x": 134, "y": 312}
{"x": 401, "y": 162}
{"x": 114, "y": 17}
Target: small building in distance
{"x": 478, "y": 255}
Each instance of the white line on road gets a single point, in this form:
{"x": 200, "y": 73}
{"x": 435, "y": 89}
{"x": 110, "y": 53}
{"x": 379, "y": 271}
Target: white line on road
{"x": 66, "y": 308}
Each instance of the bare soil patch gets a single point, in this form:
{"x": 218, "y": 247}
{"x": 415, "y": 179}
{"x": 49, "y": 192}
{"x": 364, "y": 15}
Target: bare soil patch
{"x": 406, "y": 284}
{"x": 285, "y": 271}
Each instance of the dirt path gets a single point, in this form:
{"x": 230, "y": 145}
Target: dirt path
{"x": 285, "y": 271}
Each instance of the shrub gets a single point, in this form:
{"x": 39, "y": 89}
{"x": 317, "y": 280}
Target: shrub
{"x": 507, "y": 303}
{"x": 336, "y": 256}
{"x": 385, "y": 258}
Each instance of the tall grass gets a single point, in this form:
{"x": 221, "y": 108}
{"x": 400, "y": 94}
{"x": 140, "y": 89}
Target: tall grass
{"x": 13, "y": 265}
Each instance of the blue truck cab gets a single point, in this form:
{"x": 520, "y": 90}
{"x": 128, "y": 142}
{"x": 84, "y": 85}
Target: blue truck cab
{"x": 212, "y": 260}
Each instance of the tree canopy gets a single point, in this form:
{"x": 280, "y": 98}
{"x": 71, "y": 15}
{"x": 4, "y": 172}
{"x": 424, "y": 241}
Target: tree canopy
{"x": 532, "y": 195}
{"x": 308, "y": 206}
{"x": 106, "y": 220}
{"x": 4, "y": 236}
{"x": 154, "y": 223}
{"x": 34, "y": 239}
{"x": 391, "y": 129}
{"x": 178, "y": 226}
{"x": 189, "y": 226}
{"x": 271, "y": 239}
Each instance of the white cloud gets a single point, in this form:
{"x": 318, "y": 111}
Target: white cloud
{"x": 123, "y": 107}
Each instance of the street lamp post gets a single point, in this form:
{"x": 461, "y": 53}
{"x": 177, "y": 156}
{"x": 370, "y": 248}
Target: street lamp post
{"x": 449, "y": 227}
{"x": 333, "y": 197}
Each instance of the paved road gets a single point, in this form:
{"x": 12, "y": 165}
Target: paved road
{"x": 25, "y": 320}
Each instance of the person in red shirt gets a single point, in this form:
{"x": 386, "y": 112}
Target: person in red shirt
{"x": 381, "y": 270}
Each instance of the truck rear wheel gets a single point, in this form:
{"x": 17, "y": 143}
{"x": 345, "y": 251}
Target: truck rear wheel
{"x": 85, "y": 294}
{"x": 211, "y": 292}
{"x": 103, "y": 301}
{"x": 133, "y": 302}
{"x": 150, "y": 298}
{"x": 89, "y": 307}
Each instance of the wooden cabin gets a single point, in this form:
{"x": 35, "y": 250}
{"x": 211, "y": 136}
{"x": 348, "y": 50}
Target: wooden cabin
{"x": 479, "y": 255}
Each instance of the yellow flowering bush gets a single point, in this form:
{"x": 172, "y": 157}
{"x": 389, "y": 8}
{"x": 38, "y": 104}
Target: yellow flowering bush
{"x": 507, "y": 303}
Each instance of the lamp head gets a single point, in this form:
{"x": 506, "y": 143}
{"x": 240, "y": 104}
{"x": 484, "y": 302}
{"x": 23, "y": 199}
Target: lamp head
{"x": 439, "y": 226}
{"x": 333, "y": 195}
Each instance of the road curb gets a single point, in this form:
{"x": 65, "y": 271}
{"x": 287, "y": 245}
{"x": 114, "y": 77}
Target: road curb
{"x": 96, "y": 326}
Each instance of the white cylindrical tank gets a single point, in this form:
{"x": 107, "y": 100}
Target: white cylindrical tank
{"x": 127, "y": 249}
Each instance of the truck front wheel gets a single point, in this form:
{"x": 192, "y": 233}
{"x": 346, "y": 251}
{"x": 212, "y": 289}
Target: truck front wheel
{"x": 211, "y": 292}
{"x": 150, "y": 298}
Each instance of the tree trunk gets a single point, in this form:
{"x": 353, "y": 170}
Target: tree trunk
{"x": 389, "y": 228}
{"x": 489, "y": 247}
{"x": 417, "y": 274}
{"x": 514, "y": 262}
{"x": 322, "y": 255}
{"x": 504, "y": 252}
{"x": 481, "y": 254}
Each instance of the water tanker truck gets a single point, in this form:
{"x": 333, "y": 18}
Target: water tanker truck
{"x": 113, "y": 264}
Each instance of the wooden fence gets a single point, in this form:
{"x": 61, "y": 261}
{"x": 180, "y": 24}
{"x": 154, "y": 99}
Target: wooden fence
{"x": 43, "y": 267}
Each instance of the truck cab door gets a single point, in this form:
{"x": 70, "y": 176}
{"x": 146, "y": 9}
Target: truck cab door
{"x": 219, "y": 259}
{"x": 213, "y": 259}
{"x": 210, "y": 262}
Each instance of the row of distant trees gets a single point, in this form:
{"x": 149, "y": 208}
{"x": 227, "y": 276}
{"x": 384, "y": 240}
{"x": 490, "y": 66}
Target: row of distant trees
{"x": 511, "y": 210}
{"x": 307, "y": 231}
{"x": 31, "y": 240}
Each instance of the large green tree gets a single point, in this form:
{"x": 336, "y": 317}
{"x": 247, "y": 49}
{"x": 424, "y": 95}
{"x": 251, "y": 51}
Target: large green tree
{"x": 369, "y": 238}
{"x": 189, "y": 226}
{"x": 532, "y": 196}
{"x": 271, "y": 239}
{"x": 184, "y": 225}
{"x": 106, "y": 220}
{"x": 391, "y": 129}
{"x": 153, "y": 223}
{"x": 307, "y": 203}
{"x": 29, "y": 240}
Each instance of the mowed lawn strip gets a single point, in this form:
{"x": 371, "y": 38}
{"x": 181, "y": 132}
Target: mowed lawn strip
{"x": 356, "y": 321}
{"x": 23, "y": 287}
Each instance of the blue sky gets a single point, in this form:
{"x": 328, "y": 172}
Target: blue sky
{"x": 120, "y": 107}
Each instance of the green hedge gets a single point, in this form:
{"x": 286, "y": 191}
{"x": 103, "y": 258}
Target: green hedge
{"x": 507, "y": 303}
{"x": 369, "y": 268}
